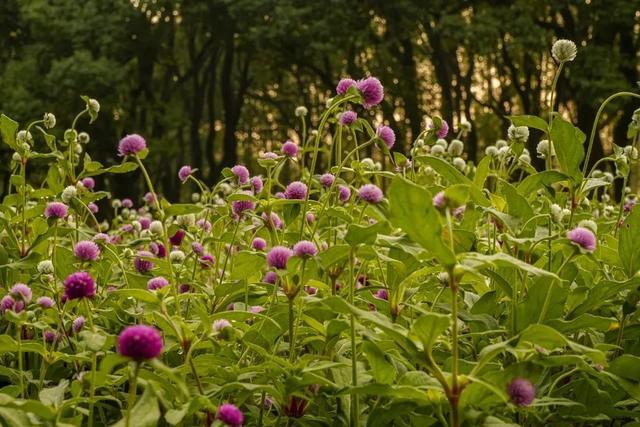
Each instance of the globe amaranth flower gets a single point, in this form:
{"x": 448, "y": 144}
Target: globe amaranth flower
{"x": 259, "y": 244}
{"x": 178, "y": 236}
{"x": 583, "y": 237}
{"x": 197, "y": 248}
{"x": 45, "y": 302}
{"x": 255, "y": 309}
{"x": 310, "y": 217}
{"x": 278, "y": 257}
{"x": 344, "y": 85}
{"x": 230, "y": 415}
{"x": 301, "y": 111}
{"x": 93, "y": 208}
{"x": 184, "y": 173}
{"x": 370, "y": 193}
{"x": 518, "y": 133}
{"x": 140, "y": 342}
{"x": 50, "y": 336}
{"x": 79, "y": 285}
{"x": 290, "y": 149}
{"x": 21, "y": 291}
{"x": 297, "y": 190}
{"x": 127, "y": 203}
{"x": 86, "y": 250}
{"x": 238, "y": 207}
{"x": 156, "y": 283}
{"x": 344, "y": 193}
{"x": 88, "y": 183}
{"x": 56, "y": 210}
{"x": 7, "y": 303}
{"x": 269, "y": 155}
{"x": 141, "y": 262}
{"x": 327, "y": 179}
{"x": 270, "y": 277}
{"x": 381, "y": 294}
{"x": 521, "y": 392}
{"x": 78, "y": 324}
{"x": 564, "y": 50}
{"x": 242, "y": 173}
{"x": 348, "y": 117}
{"x": 150, "y": 198}
{"x": 220, "y": 324}
{"x": 305, "y": 248}
{"x": 386, "y": 134}
{"x": 272, "y": 221}
{"x": 131, "y": 145}
{"x": 207, "y": 261}
{"x": 256, "y": 183}
{"x": 371, "y": 90}
{"x": 439, "y": 200}
{"x": 204, "y": 224}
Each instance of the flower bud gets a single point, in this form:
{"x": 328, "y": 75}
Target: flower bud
{"x": 437, "y": 150}
{"x": 460, "y": 164}
{"x": 69, "y": 193}
{"x": 16, "y": 157}
{"x": 93, "y": 105}
{"x": 70, "y": 135}
{"x": 177, "y": 257}
{"x": 518, "y": 133}
{"x": 45, "y": 267}
{"x": 83, "y": 138}
{"x": 491, "y": 151}
{"x": 49, "y": 120}
{"x": 156, "y": 227}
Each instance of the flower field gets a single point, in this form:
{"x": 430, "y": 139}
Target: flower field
{"x": 326, "y": 288}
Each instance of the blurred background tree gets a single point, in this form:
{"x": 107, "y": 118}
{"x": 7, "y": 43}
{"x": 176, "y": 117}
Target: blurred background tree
{"x": 213, "y": 82}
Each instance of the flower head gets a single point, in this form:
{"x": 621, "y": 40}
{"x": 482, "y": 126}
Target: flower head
{"x": 296, "y": 190}
{"x": 140, "y": 342}
{"x": 242, "y": 173}
{"x": 439, "y": 200}
{"x": 371, "y": 90}
{"x": 370, "y": 193}
{"x": 444, "y": 129}
{"x": 270, "y": 277}
{"x": 564, "y": 50}
{"x": 45, "y": 302}
{"x": 141, "y": 262}
{"x": 347, "y": 118}
{"x": 131, "y": 145}
{"x": 290, "y": 149}
{"x": 184, "y": 173}
{"x": 157, "y": 283}
{"x": 305, "y": 248}
{"x": 127, "y": 203}
{"x": 77, "y": 324}
{"x": 230, "y": 415}
{"x": 583, "y": 237}
{"x": 272, "y": 220}
{"x": 220, "y": 324}
{"x": 86, "y": 250}
{"x": 56, "y": 210}
{"x": 344, "y": 193}
{"x": 256, "y": 183}
{"x": 327, "y": 179}
{"x": 22, "y": 292}
{"x": 259, "y": 244}
{"x": 238, "y": 207}
{"x": 381, "y": 294}
{"x": 79, "y": 285}
{"x": 278, "y": 257}
{"x": 93, "y": 207}
{"x": 521, "y": 392}
{"x": 178, "y": 236}
{"x": 344, "y": 85}
{"x": 385, "y": 133}
{"x": 7, "y": 303}
{"x": 88, "y": 183}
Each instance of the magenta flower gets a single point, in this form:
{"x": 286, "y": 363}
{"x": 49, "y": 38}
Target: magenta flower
{"x": 141, "y": 262}
{"x": 50, "y": 336}
{"x": 348, "y": 117}
{"x": 207, "y": 261}
{"x": 79, "y": 285}
{"x": 176, "y": 239}
{"x": 93, "y": 208}
{"x": 256, "y": 183}
{"x": 204, "y": 224}
{"x": 583, "y": 237}
{"x": 131, "y": 145}
{"x": 290, "y": 149}
{"x": 344, "y": 85}
{"x": 278, "y": 257}
{"x": 259, "y": 244}
{"x": 242, "y": 173}
{"x": 270, "y": 277}
{"x": 86, "y": 250}
{"x": 344, "y": 193}
{"x": 439, "y": 200}
{"x": 127, "y": 203}
{"x": 370, "y": 193}
{"x": 197, "y": 247}
{"x": 272, "y": 221}
{"x": 230, "y": 415}
{"x": 269, "y": 155}
{"x": 444, "y": 129}
{"x": 371, "y": 90}
{"x": 156, "y": 283}
{"x": 184, "y": 173}
{"x": 145, "y": 223}
{"x": 296, "y": 191}
{"x": 220, "y": 324}
{"x": 304, "y": 249}
{"x": 238, "y": 207}
{"x": 77, "y": 324}
{"x": 381, "y": 294}
{"x": 310, "y": 217}
{"x": 21, "y": 291}
{"x": 385, "y": 133}
{"x": 56, "y": 210}
{"x": 45, "y": 302}
{"x": 255, "y": 309}
{"x": 88, "y": 183}
{"x": 521, "y": 392}
{"x": 140, "y": 342}
{"x": 327, "y": 179}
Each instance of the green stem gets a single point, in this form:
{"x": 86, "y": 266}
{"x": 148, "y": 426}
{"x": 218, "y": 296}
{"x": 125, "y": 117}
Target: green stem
{"x": 20, "y": 363}
{"x": 548, "y": 157}
{"x": 354, "y": 354}
{"x": 292, "y": 336}
{"x": 133, "y": 384}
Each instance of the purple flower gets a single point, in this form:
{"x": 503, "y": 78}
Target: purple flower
{"x": 305, "y": 248}
{"x": 93, "y": 208}
{"x": 370, "y": 193}
{"x": 127, "y": 203}
{"x": 272, "y": 221}
{"x": 56, "y": 210}
{"x": 184, "y": 288}
{"x": 50, "y": 336}
{"x": 141, "y": 263}
{"x": 197, "y": 247}
{"x": 220, "y": 324}
{"x": 86, "y": 250}
{"x": 176, "y": 239}
{"x": 583, "y": 237}
{"x": 344, "y": 85}
{"x": 207, "y": 261}
{"x": 256, "y": 183}
{"x": 184, "y": 173}
{"x": 311, "y": 290}
{"x": 521, "y": 392}
{"x": 344, "y": 193}
{"x": 78, "y": 324}
{"x": 140, "y": 342}
{"x": 278, "y": 257}
{"x": 255, "y": 309}
{"x": 79, "y": 285}
{"x": 444, "y": 129}
{"x": 230, "y": 415}
{"x": 157, "y": 283}
{"x": 628, "y": 206}
{"x": 269, "y": 155}
{"x": 7, "y": 303}
{"x": 279, "y": 195}
{"x": 310, "y": 217}
{"x": 149, "y": 198}
{"x": 259, "y": 244}
{"x": 204, "y": 224}
{"x": 242, "y": 173}
{"x": 327, "y": 180}
{"x": 381, "y": 294}
{"x": 88, "y": 183}
{"x": 371, "y": 90}
{"x": 439, "y": 200}
{"x": 385, "y": 133}
{"x": 45, "y": 302}
{"x": 21, "y": 291}
{"x": 238, "y": 207}
{"x": 145, "y": 223}
{"x": 348, "y": 117}
{"x": 270, "y": 277}
{"x": 131, "y": 145}
{"x": 296, "y": 191}
{"x": 290, "y": 149}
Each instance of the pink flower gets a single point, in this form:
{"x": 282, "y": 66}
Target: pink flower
{"x": 304, "y": 249}
{"x": 56, "y": 210}
{"x": 371, "y": 90}
{"x": 278, "y": 257}
{"x": 259, "y": 244}
{"x": 583, "y": 237}
{"x": 88, "y": 183}
{"x": 230, "y": 415}
{"x": 131, "y": 145}
{"x": 348, "y": 117}
{"x": 290, "y": 149}
{"x": 344, "y": 85}
{"x": 86, "y": 250}
{"x": 370, "y": 193}
{"x": 79, "y": 285}
{"x": 385, "y": 133}
{"x": 344, "y": 193}
{"x": 140, "y": 342}
{"x": 296, "y": 190}
{"x": 521, "y": 392}
{"x": 184, "y": 173}
{"x": 242, "y": 173}
{"x": 327, "y": 180}
{"x": 439, "y": 200}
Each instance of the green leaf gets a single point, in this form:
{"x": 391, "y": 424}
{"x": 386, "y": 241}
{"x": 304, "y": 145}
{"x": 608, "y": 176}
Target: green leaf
{"x": 629, "y": 243}
{"x": 54, "y": 396}
{"x": 364, "y": 235}
{"x": 146, "y": 411}
{"x": 429, "y": 327}
{"x": 8, "y": 130}
{"x": 454, "y": 176}
{"x": 568, "y": 143}
{"x": 246, "y": 264}
{"x": 182, "y": 209}
{"x": 412, "y": 210}
{"x": 529, "y": 121}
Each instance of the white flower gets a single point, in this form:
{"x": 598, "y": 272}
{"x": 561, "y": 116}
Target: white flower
{"x": 491, "y": 151}
{"x": 94, "y": 105}
{"x": 465, "y": 126}
{"x": 543, "y": 148}
{"x": 501, "y": 143}
{"x": 136, "y": 224}
{"x": 177, "y": 256}
{"x": 456, "y": 147}
{"x": 24, "y": 137}
{"x": 69, "y": 193}
{"x": 460, "y": 164}
{"x": 525, "y": 158}
{"x": 518, "y": 133}
{"x": 195, "y": 197}
{"x": 631, "y": 152}
{"x": 437, "y": 150}
{"x": 368, "y": 163}
{"x": 45, "y": 267}
{"x": 116, "y": 203}
{"x": 564, "y": 50}
{"x": 16, "y": 157}
{"x": 156, "y": 227}
{"x": 83, "y": 138}
{"x": 442, "y": 142}
{"x": 590, "y": 224}
{"x": 301, "y": 111}
{"x": 49, "y": 120}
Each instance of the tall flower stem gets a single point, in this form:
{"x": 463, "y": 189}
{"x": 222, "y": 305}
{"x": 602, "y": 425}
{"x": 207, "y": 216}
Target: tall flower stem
{"x": 20, "y": 362}
{"x": 548, "y": 157}
{"x": 354, "y": 354}
{"x": 133, "y": 385}
{"x": 291, "y": 331}
{"x": 455, "y": 391}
